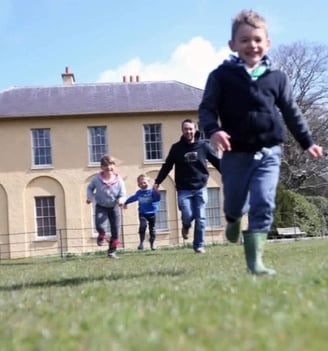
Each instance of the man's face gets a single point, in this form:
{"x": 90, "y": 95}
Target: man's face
{"x": 188, "y": 131}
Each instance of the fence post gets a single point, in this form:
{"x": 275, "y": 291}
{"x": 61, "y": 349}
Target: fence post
{"x": 294, "y": 223}
{"x": 61, "y": 243}
{"x": 122, "y": 229}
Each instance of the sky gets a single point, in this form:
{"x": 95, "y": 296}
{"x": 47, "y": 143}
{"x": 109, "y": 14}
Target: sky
{"x": 104, "y": 40}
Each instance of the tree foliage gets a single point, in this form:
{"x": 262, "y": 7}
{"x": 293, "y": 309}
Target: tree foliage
{"x": 307, "y": 68}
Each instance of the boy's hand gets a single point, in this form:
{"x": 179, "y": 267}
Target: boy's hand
{"x": 220, "y": 141}
{"x": 156, "y": 188}
{"x": 315, "y": 151}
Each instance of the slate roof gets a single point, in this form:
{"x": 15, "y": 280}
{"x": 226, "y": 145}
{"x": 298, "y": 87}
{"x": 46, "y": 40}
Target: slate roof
{"x": 99, "y": 98}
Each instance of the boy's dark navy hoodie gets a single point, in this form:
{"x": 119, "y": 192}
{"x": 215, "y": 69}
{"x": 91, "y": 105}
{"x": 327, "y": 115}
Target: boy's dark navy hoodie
{"x": 253, "y": 112}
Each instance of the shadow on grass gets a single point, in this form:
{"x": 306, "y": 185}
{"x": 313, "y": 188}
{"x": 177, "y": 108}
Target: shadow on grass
{"x": 83, "y": 280}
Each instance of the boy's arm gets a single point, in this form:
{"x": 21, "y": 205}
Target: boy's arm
{"x": 156, "y": 196}
{"x": 212, "y": 157}
{"x": 296, "y": 122}
{"x": 292, "y": 115}
{"x": 208, "y": 108}
{"x": 131, "y": 198}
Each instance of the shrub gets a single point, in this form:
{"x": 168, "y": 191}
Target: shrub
{"x": 322, "y": 205}
{"x": 294, "y": 210}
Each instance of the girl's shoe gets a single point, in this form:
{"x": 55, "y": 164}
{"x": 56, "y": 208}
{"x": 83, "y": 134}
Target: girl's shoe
{"x": 113, "y": 255}
{"x": 101, "y": 239}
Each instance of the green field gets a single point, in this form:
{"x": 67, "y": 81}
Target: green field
{"x": 170, "y": 299}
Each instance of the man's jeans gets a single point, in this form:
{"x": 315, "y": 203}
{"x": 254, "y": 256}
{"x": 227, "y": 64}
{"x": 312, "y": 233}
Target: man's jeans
{"x": 249, "y": 185}
{"x": 192, "y": 204}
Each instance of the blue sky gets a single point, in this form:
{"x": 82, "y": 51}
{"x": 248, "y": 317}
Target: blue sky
{"x": 102, "y": 40}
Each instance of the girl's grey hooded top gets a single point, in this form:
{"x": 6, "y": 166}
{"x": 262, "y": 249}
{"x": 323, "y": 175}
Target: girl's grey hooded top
{"x": 107, "y": 194}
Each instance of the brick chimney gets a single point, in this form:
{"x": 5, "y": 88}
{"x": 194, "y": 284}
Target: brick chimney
{"x": 68, "y": 77}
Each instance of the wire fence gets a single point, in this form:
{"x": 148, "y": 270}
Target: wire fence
{"x": 76, "y": 241}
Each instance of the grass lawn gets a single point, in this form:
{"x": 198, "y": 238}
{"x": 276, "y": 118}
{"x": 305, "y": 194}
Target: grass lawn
{"x": 170, "y": 299}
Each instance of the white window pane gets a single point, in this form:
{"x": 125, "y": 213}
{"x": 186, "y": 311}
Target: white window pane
{"x": 98, "y": 144}
{"x": 153, "y": 142}
{"x": 213, "y": 210}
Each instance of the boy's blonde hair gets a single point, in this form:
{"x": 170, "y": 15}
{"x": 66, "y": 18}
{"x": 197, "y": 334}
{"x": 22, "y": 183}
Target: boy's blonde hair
{"x": 249, "y": 17}
{"x": 142, "y": 176}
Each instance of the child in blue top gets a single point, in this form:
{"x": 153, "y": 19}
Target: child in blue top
{"x": 148, "y": 205}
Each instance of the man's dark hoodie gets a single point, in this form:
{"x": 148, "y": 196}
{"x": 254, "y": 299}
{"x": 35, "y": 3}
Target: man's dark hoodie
{"x": 190, "y": 163}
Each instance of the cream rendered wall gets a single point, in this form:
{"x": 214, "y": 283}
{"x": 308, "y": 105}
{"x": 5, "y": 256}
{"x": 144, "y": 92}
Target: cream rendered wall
{"x": 69, "y": 175}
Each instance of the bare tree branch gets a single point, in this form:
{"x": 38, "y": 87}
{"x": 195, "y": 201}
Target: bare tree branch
{"x": 306, "y": 65}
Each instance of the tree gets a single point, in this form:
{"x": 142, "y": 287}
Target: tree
{"x": 307, "y": 68}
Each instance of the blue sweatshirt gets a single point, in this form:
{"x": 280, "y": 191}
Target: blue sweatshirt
{"x": 148, "y": 201}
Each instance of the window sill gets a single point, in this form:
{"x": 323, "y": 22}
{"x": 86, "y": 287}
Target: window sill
{"x": 52, "y": 238}
{"x": 37, "y": 168}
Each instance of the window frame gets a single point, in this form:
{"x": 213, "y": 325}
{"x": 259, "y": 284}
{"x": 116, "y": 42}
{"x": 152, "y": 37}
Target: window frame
{"x": 162, "y": 214}
{"x": 38, "y": 148}
{"x": 52, "y": 219}
{"x": 95, "y": 155}
{"x": 213, "y": 206}
{"x": 148, "y": 144}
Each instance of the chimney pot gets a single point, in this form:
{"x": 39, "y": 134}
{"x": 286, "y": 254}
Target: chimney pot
{"x": 68, "y": 77}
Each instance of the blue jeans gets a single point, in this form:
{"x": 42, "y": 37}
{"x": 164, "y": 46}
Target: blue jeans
{"x": 192, "y": 204}
{"x": 249, "y": 185}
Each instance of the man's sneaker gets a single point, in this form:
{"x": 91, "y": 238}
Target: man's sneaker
{"x": 185, "y": 233}
{"x": 200, "y": 250}
{"x": 153, "y": 247}
{"x": 233, "y": 230}
{"x": 101, "y": 239}
{"x": 113, "y": 255}
{"x": 140, "y": 246}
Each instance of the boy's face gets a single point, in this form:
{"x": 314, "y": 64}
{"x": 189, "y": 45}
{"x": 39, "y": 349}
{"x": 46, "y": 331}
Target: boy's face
{"x": 251, "y": 44}
{"x": 143, "y": 183}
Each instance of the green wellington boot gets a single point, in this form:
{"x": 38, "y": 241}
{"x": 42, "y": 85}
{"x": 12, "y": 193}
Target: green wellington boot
{"x": 233, "y": 230}
{"x": 254, "y": 245}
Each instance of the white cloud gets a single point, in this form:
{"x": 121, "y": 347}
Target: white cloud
{"x": 189, "y": 63}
